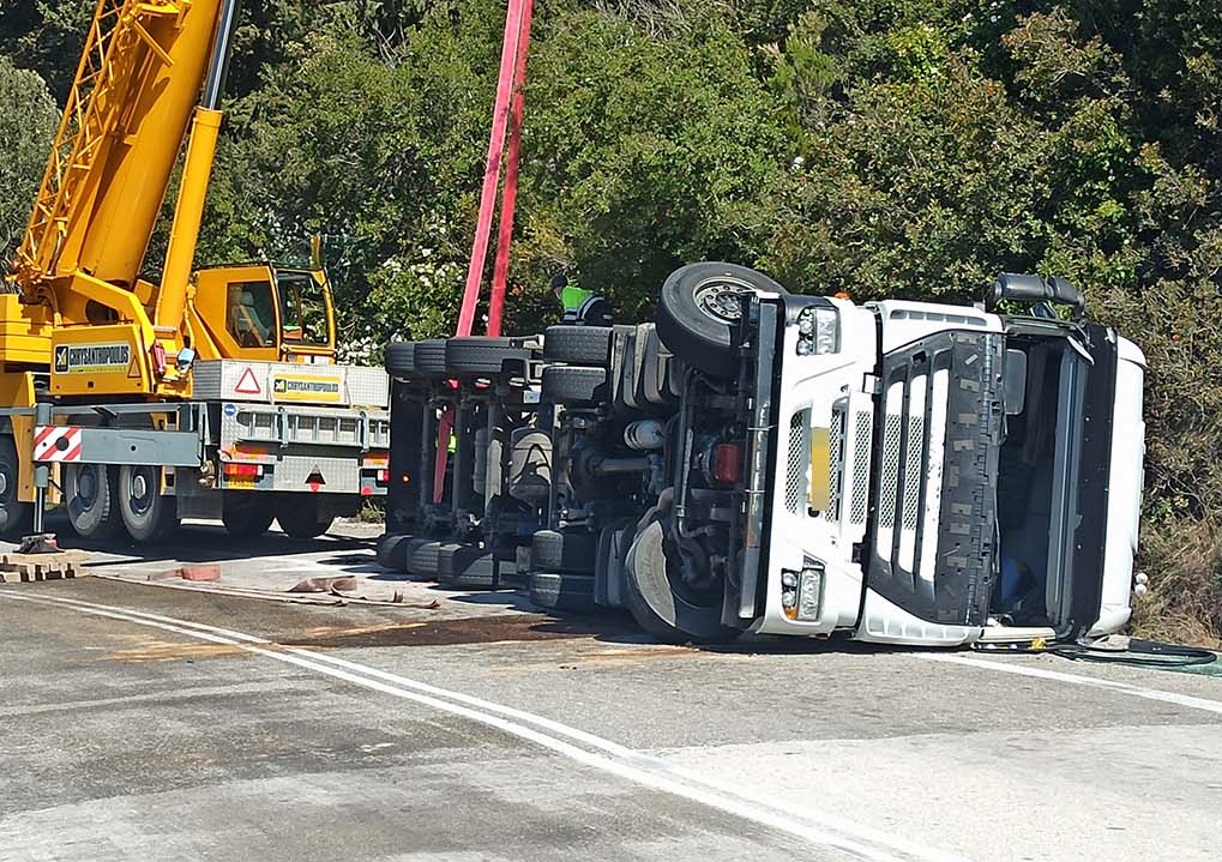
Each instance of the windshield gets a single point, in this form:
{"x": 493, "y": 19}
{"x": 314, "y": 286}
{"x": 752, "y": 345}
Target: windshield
{"x": 252, "y": 313}
{"x": 303, "y": 310}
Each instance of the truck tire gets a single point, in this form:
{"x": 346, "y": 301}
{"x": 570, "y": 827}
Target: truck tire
{"x": 577, "y": 345}
{"x": 660, "y": 605}
{"x": 299, "y": 518}
{"x": 401, "y": 358}
{"x": 423, "y": 557}
{"x": 148, "y": 514}
{"x": 89, "y": 490}
{"x": 246, "y": 514}
{"x": 698, "y": 310}
{"x": 429, "y": 357}
{"x": 570, "y": 552}
{"x": 574, "y": 385}
{"x": 479, "y": 354}
{"x": 467, "y": 567}
{"x": 392, "y": 550}
{"x": 562, "y": 592}
{"x": 16, "y": 517}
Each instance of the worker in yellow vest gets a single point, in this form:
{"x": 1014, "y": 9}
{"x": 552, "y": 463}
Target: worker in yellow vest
{"x": 581, "y": 307}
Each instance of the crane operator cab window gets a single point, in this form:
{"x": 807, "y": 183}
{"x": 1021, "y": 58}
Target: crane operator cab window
{"x": 251, "y": 309}
{"x": 303, "y": 310}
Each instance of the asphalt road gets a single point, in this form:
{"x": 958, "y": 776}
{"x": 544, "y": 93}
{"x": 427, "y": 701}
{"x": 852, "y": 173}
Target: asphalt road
{"x": 148, "y": 723}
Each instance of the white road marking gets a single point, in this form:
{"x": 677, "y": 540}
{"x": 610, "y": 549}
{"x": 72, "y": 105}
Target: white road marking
{"x": 645, "y": 770}
{"x": 1184, "y": 700}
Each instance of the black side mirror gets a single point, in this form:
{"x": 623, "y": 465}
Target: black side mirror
{"x": 1037, "y": 291}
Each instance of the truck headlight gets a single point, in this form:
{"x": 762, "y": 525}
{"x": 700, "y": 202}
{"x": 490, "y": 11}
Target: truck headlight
{"x": 810, "y": 591}
{"x": 818, "y": 331}
{"x": 802, "y": 591}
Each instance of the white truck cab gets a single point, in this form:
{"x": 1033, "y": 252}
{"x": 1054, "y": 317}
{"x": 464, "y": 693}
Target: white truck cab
{"x": 911, "y": 472}
{"x": 945, "y": 474}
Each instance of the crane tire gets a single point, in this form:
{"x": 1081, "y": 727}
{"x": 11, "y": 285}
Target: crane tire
{"x": 90, "y": 498}
{"x": 148, "y": 514}
{"x": 298, "y": 516}
{"x": 246, "y": 514}
{"x": 16, "y": 517}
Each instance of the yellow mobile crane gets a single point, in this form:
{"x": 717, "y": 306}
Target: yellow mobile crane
{"x": 212, "y": 394}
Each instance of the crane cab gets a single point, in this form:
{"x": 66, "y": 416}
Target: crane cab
{"x": 261, "y": 312}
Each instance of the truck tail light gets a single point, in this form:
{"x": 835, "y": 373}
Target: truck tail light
{"x": 727, "y": 463}
{"x": 238, "y": 470}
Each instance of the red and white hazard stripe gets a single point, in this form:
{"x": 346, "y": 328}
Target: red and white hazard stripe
{"x": 57, "y": 442}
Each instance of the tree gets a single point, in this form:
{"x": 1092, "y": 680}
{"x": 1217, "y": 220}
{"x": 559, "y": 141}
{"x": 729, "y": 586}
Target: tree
{"x": 643, "y": 149}
{"x": 28, "y": 120}
{"x": 45, "y": 36}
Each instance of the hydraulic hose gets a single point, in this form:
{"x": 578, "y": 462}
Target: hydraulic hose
{"x": 1136, "y": 652}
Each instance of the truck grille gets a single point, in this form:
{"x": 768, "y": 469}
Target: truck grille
{"x": 798, "y": 462}
{"x": 896, "y": 458}
{"x": 912, "y": 471}
{"x": 890, "y": 471}
{"x": 861, "y": 468}
{"x": 836, "y": 451}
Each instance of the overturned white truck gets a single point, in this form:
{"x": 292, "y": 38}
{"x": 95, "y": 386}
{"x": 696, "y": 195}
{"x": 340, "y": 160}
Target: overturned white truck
{"x": 766, "y": 462}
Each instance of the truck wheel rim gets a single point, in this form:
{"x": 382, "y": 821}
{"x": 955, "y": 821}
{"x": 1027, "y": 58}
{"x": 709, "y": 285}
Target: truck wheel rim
{"x": 719, "y": 299}
{"x": 140, "y": 494}
{"x": 87, "y": 486}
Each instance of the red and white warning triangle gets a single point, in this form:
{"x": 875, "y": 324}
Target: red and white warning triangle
{"x": 248, "y": 384}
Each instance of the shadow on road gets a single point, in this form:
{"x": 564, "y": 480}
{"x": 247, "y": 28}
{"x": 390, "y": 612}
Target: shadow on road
{"x": 521, "y": 620}
{"x": 205, "y": 543}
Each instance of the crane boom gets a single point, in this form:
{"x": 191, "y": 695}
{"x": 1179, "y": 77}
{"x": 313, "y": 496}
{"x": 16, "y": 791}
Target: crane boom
{"x": 136, "y": 86}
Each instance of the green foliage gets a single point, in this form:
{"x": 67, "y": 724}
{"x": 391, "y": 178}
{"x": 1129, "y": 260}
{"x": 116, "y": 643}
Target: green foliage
{"x": 643, "y": 153}
{"x": 45, "y": 36}
{"x": 28, "y": 121}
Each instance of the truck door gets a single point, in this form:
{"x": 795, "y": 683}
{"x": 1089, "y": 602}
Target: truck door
{"x": 1081, "y": 478}
{"x": 930, "y": 547}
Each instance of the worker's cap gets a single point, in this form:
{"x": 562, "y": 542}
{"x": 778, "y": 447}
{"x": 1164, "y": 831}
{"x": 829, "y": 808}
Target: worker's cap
{"x": 559, "y": 282}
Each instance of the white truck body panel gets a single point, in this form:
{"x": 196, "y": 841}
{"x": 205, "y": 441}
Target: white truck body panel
{"x": 1125, "y": 493}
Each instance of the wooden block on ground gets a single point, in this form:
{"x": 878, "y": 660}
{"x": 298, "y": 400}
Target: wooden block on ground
{"x": 16, "y": 568}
